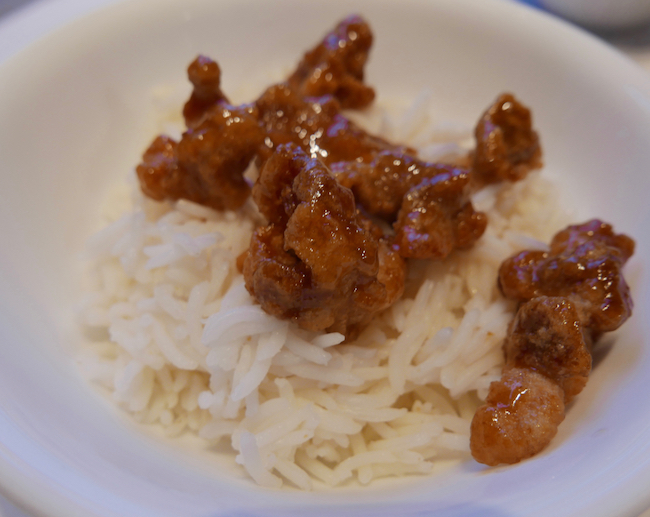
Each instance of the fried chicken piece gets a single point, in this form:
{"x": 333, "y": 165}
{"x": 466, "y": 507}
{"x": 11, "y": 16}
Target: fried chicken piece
{"x": 520, "y": 418}
{"x": 428, "y": 203}
{"x": 583, "y": 264}
{"x": 319, "y": 262}
{"x": 208, "y": 163}
{"x": 159, "y": 173}
{"x": 336, "y": 66}
{"x": 437, "y": 217}
{"x": 507, "y": 147}
{"x": 546, "y": 336}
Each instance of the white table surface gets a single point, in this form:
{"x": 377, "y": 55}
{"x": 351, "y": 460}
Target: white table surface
{"x": 635, "y": 44}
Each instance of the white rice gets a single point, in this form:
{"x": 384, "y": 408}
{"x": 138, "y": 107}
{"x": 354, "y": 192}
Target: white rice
{"x": 187, "y": 348}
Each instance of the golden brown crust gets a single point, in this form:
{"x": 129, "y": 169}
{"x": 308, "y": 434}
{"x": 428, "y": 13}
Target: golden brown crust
{"x": 519, "y": 419}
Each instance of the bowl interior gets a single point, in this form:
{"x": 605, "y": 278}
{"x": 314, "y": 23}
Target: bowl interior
{"x": 76, "y": 111}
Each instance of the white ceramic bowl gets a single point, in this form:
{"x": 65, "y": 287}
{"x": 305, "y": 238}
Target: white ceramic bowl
{"x": 75, "y": 114}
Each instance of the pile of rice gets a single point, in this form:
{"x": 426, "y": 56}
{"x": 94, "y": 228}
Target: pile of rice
{"x": 184, "y": 346}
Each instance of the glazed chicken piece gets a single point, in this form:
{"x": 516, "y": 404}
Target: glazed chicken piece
{"x": 507, "y": 146}
{"x": 317, "y": 125}
{"x": 570, "y": 295}
{"x": 382, "y": 180}
{"x": 520, "y": 417}
{"x": 205, "y": 76}
{"x": 546, "y": 336}
{"x": 583, "y": 264}
{"x": 336, "y": 66}
{"x": 437, "y": 217}
{"x": 318, "y": 262}
{"x": 208, "y": 163}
